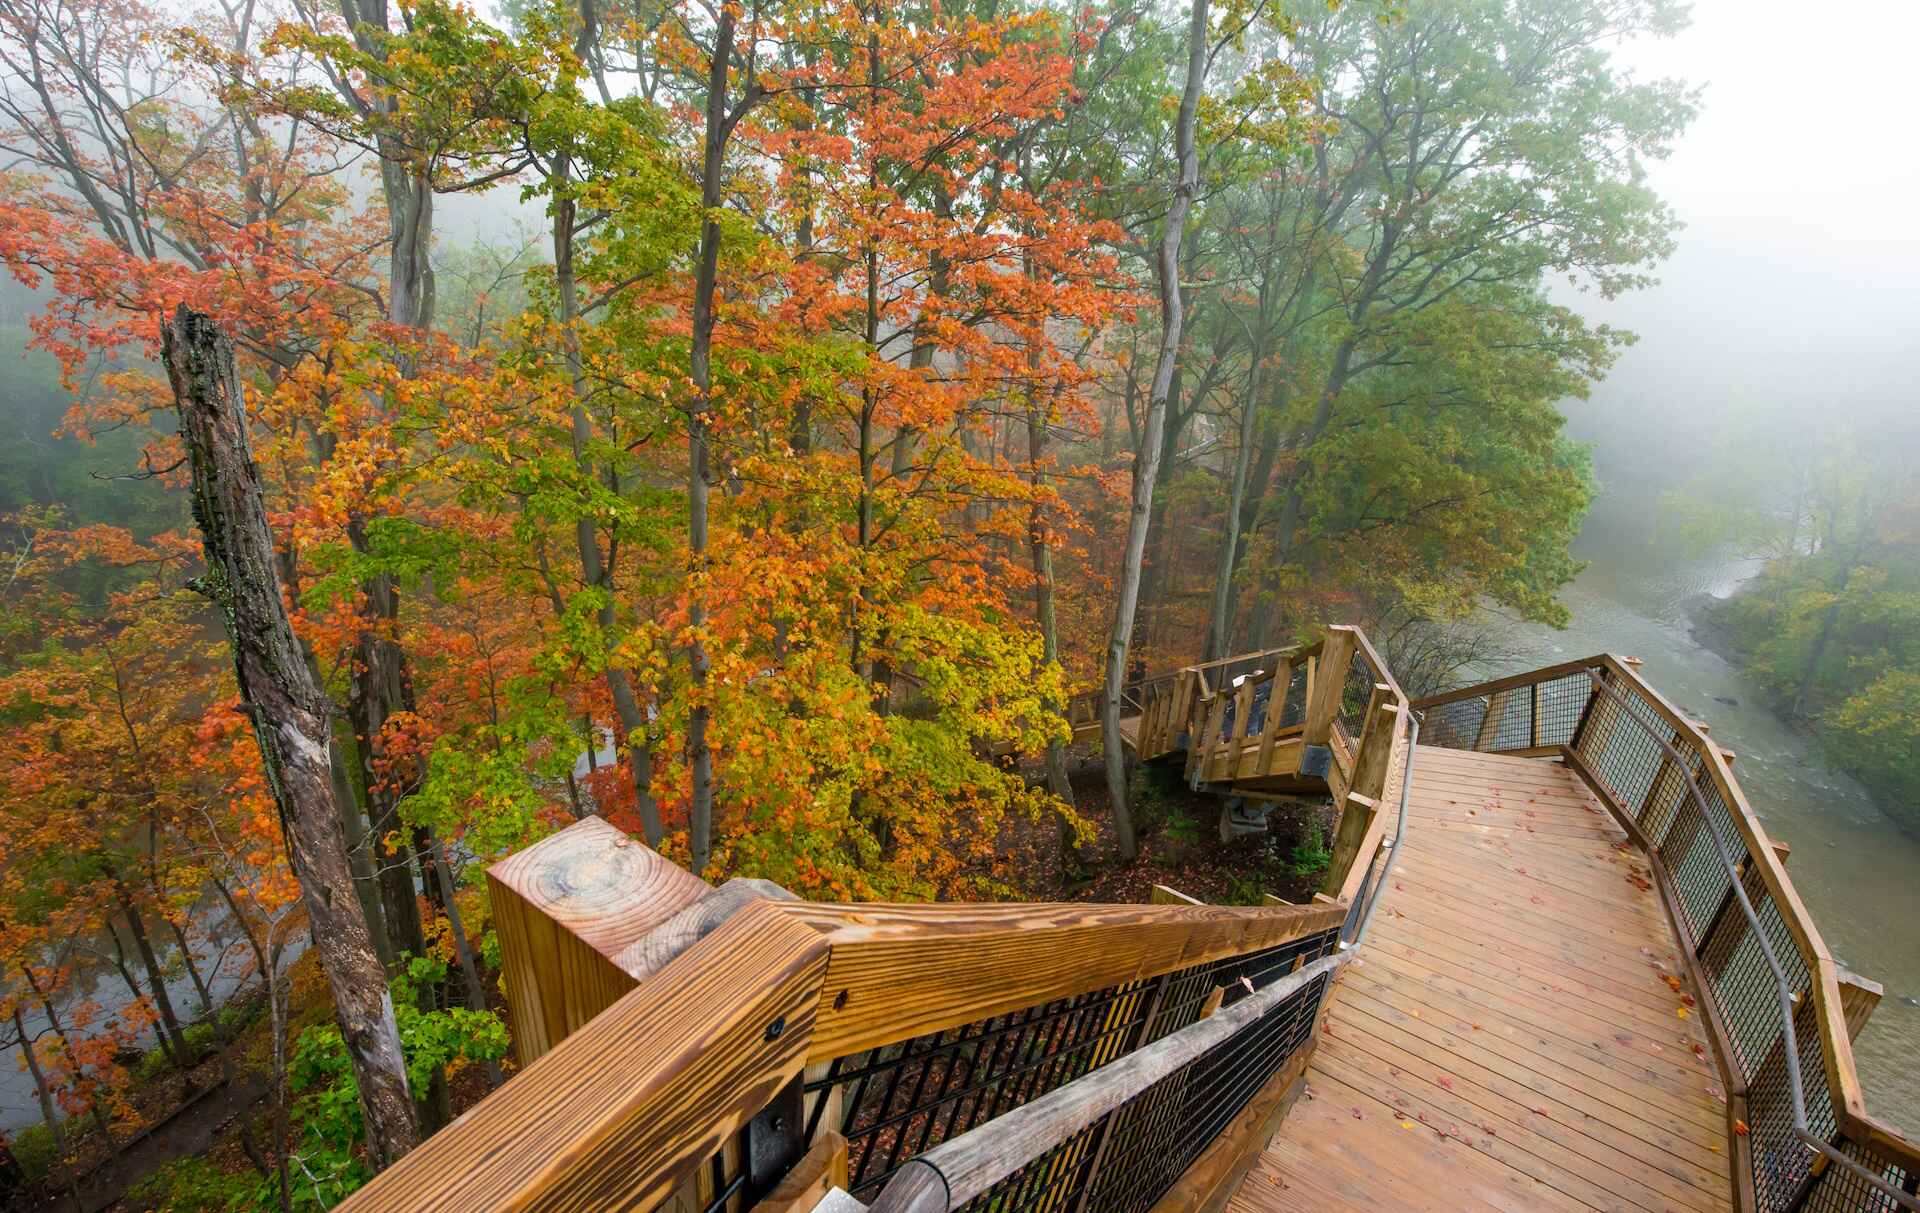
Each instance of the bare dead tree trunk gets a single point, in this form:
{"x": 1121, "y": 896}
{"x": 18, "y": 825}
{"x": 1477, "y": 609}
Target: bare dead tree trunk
{"x": 1146, "y": 470}
{"x": 291, "y": 715}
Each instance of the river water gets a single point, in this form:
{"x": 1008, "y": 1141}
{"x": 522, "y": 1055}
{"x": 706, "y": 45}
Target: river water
{"x": 1857, "y": 871}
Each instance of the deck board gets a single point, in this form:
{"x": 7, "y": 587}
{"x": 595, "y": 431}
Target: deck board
{"x": 1506, "y": 1039}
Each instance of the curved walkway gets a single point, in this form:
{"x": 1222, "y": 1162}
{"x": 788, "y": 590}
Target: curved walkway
{"x": 1509, "y": 1037}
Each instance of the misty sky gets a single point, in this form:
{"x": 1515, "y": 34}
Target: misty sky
{"x": 1796, "y": 284}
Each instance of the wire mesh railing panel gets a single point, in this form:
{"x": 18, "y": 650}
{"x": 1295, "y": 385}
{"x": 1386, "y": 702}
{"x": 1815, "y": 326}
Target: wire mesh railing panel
{"x": 1836, "y": 1189}
{"x": 900, "y": 1100}
{"x": 1294, "y": 711}
{"x": 896, "y": 1101}
{"x": 1157, "y": 1136}
{"x": 1355, "y": 693}
{"x": 1558, "y": 705}
{"x": 1509, "y": 725}
{"x": 1454, "y": 725}
{"x": 1625, "y": 758}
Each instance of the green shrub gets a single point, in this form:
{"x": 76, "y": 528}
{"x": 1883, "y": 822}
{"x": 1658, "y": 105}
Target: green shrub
{"x": 1309, "y": 856}
{"x": 188, "y": 1185}
{"x": 34, "y": 1150}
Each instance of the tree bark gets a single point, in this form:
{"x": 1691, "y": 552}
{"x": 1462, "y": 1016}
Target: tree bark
{"x": 291, "y": 715}
{"x": 595, "y": 567}
{"x": 45, "y": 1096}
{"x": 700, "y": 363}
{"x": 1147, "y": 471}
{"x": 1237, "y": 493}
{"x": 156, "y": 976}
{"x": 1042, "y": 554}
{"x": 476, "y": 992}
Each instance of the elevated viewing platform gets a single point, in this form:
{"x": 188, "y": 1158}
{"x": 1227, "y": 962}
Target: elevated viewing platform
{"x": 1557, "y": 964}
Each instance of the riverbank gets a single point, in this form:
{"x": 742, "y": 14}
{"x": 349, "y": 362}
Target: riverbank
{"x": 1713, "y": 624}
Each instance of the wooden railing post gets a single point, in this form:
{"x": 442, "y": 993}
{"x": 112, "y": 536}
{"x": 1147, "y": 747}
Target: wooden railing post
{"x": 1326, "y": 683}
{"x": 565, "y": 908}
{"x": 1858, "y": 997}
{"x": 1373, "y": 759}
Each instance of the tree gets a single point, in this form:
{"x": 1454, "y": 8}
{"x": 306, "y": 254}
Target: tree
{"x": 1146, "y": 470}
{"x": 290, "y": 716}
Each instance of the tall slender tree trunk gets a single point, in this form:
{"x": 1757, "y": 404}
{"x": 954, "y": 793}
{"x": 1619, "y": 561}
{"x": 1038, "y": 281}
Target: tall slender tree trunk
{"x": 45, "y": 1096}
{"x": 699, "y": 425}
{"x": 476, "y": 992}
{"x": 1042, "y": 554}
{"x": 1146, "y": 474}
{"x": 1220, "y": 618}
{"x": 290, "y": 716}
{"x": 45, "y": 997}
{"x": 595, "y": 568}
{"x": 156, "y": 976}
{"x": 200, "y": 989}
{"x": 378, "y": 689}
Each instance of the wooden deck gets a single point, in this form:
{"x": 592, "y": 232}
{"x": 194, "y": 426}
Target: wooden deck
{"x": 1508, "y": 1038}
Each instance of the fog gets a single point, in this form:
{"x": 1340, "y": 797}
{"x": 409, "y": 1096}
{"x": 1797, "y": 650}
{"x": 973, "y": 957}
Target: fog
{"x": 1794, "y": 293}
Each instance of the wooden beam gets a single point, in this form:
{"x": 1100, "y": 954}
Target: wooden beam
{"x": 899, "y": 971}
{"x": 653, "y": 951}
{"x": 618, "y": 1113}
{"x": 822, "y": 1169}
{"x": 1858, "y": 997}
{"x": 1328, "y": 684}
{"x": 565, "y": 908}
{"x": 1276, "y": 707}
{"x": 1162, "y": 895}
{"x": 1490, "y": 723}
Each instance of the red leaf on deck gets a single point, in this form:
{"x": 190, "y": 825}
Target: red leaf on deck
{"x": 1446, "y": 1082}
{"x": 1357, "y": 1116}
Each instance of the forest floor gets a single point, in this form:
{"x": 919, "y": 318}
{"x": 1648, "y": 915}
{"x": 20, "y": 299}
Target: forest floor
{"x": 1180, "y": 847}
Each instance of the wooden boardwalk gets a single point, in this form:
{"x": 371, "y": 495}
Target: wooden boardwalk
{"x": 1508, "y": 1038}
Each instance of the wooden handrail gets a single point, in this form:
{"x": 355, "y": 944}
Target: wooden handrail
{"x": 899, "y": 971}
{"x": 618, "y": 1111}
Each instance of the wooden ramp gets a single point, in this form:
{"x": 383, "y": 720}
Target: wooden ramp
{"x": 1508, "y": 1038}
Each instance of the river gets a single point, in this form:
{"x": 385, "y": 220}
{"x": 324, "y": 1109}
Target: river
{"x": 1857, "y": 871}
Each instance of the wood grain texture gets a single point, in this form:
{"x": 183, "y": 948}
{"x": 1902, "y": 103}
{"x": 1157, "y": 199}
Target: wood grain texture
{"x": 653, "y": 951}
{"x": 902, "y": 970}
{"x": 1764, "y": 868}
{"x": 616, "y": 1115}
{"x": 1501, "y": 1042}
{"x": 565, "y": 908}
{"x": 1327, "y": 683}
{"x": 1858, "y": 997}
